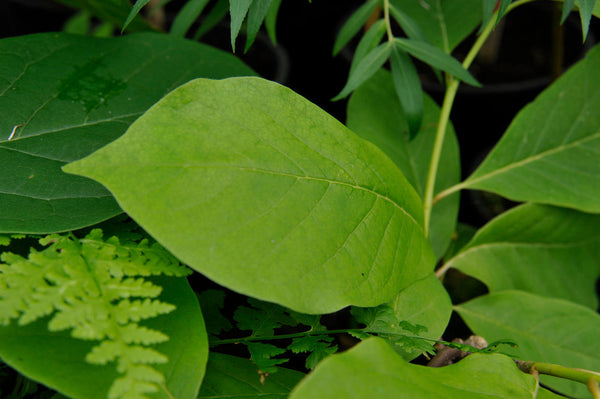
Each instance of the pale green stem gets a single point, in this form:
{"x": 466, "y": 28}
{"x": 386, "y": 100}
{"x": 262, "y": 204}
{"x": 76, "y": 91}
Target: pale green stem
{"x": 590, "y": 378}
{"x": 386, "y": 17}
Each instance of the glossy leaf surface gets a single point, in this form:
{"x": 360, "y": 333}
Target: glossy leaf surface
{"x": 374, "y": 112}
{"x": 546, "y": 330}
{"x": 75, "y": 94}
{"x": 445, "y": 23}
{"x": 265, "y": 193}
{"x": 533, "y": 248}
{"x": 64, "y": 367}
{"x": 373, "y": 370}
{"x": 233, "y": 377}
{"x": 549, "y": 154}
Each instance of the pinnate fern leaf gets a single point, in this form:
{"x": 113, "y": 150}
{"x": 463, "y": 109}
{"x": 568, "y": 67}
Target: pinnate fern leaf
{"x": 95, "y": 288}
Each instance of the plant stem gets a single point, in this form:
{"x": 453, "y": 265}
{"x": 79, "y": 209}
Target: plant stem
{"x": 590, "y": 378}
{"x": 386, "y": 17}
{"x": 452, "y": 87}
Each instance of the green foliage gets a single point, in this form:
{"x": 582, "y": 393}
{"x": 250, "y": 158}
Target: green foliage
{"x": 94, "y": 288}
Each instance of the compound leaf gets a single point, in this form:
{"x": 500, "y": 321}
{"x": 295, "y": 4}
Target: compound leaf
{"x": 262, "y": 191}
{"x": 354, "y": 24}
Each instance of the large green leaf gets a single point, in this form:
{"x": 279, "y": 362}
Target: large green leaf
{"x": 117, "y": 12}
{"x": 533, "y": 248}
{"x": 374, "y": 112}
{"x": 545, "y": 329}
{"x": 549, "y": 154}
{"x": 265, "y": 193}
{"x": 75, "y": 94}
{"x": 234, "y": 377}
{"x": 445, "y": 23}
{"x": 58, "y": 361}
{"x": 373, "y": 370}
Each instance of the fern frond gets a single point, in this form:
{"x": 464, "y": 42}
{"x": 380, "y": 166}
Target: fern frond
{"x": 95, "y": 288}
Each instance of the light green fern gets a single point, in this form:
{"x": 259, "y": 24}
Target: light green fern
{"x": 95, "y": 287}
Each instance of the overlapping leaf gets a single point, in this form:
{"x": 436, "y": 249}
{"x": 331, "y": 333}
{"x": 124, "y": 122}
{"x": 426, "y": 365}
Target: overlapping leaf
{"x": 117, "y": 12}
{"x": 374, "y": 113}
{"x": 69, "y": 95}
{"x": 549, "y": 154}
{"x": 545, "y": 329}
{"x": 265, "y": 193}
{"x": 532, "y": 248}
{"x": 373, "y": 370}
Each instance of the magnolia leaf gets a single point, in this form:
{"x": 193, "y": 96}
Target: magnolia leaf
{"x": 445, "y": 23}
{"x": 256, "y": 15}
{"x": 374, "y": 112}
{"x": 186, "y": 17}
{"x": 238, "y": 10}
{"x": 436, "y": 58}
{"x": 373, "y": 370}
{"x": 408, "y": 89}
{"x": 532, "y": 248}
{"x": 64, "y": 367}
{"x": 117, "y": 12}
{"x": 367, "y": 43}
{"x": 356, "y": 21}
{"x": 75, "y": 94}
{"x": 549, "y": 152}
{"x": 256, "y": 187}
{"x": 234, "y": 377}
{"x": 366, "y": 68}
{"x": 545, "y": 330}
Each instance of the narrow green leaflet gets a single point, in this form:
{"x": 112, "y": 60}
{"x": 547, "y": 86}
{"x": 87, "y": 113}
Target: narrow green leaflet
{"x": 545, "y": 329}
{"x": 271, "y": 20}
{"x": 119, "y": 324}
{"x": 366, "y": 68}
{"x": 117, "y": 12}
{"x": 532, "y": 248}
{"x": 374, "y": 112}
{"x": 436, "y": 58}
{"x": 409, "y": 26}
{"x": 65, "y": 96}
{"x": 212, "y": 18}
{"x": 233, "y": 377}
{"x": 256, "y": 15}
{"x": 188, "y": 14}
{"x": 408, "y": 89}
{"x": 445, "y": 23}
{"x": 553, "y": 140}
{"x": 586, "y": 8}
{"x": 367, "y": 43}
{"x": 135, "y": 10}
{"x": 268, "y": 195}
{"x": 354, "y": 24}
{"x": 238, "y": 10}
{"x": 373, "y": 370}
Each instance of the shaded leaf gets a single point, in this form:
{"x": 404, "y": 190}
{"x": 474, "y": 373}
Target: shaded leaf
{"x": 135, "y": 10}
{"x": 117, "y": 12}
{"x": 408, "y": 89}
{"x": 262, "y": 318}
{"x": 545, "y": 329}
{"x": 351, "y": 27}
{"x": 75, "y": 94}
{"x": 214, "y": 16}
{"x": 373, "y": 370}
{"x": 273, "y": 198}
{"x": 263, "y": 355}
{"x": 185, "y": 18}
{"x": 436, "y": 58}
{"x": 374, "y": 112}
{"x": 271, "y": 20}
{"x": 586, "y": 8}
{"x": 408, "y": 25}
{"x": 319, "y": 347}
{"x": 550, "y": 151}
{"x": 238, "y": 10}
{"x": 366, "y": 68}
{"x": 234, "y": 377}
{"x": 212, "y": 303}
{"x": 256, "y": 15}
{"x": 568, "y": 6}
{"x": 532, "y": 248}
{"x": 367, "y": 43}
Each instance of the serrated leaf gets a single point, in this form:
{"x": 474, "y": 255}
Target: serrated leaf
{"x": 256, "y": 15}
{"x": 436, "y": 58}
{"x": 185, "y": 18}
{"x": 267, "y": 185}
{"x": 263, "y": 356}
{"x": 372, "y": 369}
{"x": 375, "y": 113}
{"x": 262, "y": 318}
{"x": 238, "y": 10}
{"x": 545, "y": 329}
{"x": 367, "y": 43}
{"x": 211, "y": 303}
{"x": 549, "y": 152}
{"x": 354, "y": 24}
{"x": 231, "y": 377}
{"x": 532, "y": 248}
{"x": 75, "y": 94}
{"x": 64, "y": 367}
{"x": 408, "y": 89}
{"x": 319, "y": 348}
{"x": 366, "y": 68}
{"x": 445, "y": 23}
